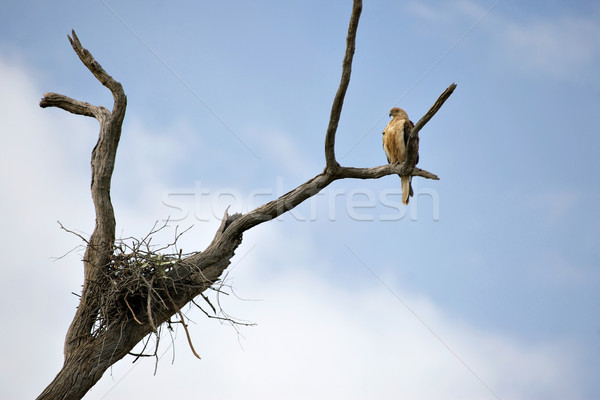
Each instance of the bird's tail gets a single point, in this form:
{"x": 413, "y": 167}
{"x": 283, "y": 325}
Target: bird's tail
{"x": 407, "y": 190}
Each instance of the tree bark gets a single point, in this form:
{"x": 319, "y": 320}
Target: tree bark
{"x": 85, "y": 365}
{"x": 94, "y": 342}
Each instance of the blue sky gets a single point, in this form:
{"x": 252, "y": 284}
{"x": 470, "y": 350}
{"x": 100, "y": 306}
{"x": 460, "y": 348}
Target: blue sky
{"x": 486, "y": 286}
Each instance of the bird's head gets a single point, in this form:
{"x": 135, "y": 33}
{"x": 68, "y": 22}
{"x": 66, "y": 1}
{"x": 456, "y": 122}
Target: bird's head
{"x": 398, "y": 112}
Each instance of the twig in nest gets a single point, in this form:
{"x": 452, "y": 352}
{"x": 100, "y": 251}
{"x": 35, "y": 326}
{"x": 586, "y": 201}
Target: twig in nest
{"x": 131, "y": 309}
{"x": 208, "y": 301}
{"x": 187, "y": 333}
{"x": 226, "y": 319}
{"x": 149, "y": 307}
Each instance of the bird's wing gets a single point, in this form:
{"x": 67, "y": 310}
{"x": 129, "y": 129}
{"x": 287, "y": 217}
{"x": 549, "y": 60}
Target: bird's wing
{"x": 401, "y": 138}
{"x": 408, "y": 125}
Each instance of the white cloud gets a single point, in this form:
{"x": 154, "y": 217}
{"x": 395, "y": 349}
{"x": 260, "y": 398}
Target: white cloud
{"x": 316, "y": 338}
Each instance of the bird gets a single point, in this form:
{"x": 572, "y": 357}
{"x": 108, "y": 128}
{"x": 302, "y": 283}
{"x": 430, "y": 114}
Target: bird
{"x": 395, "y": 139}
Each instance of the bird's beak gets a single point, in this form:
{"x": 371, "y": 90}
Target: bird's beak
{"x": 390, "y": 114}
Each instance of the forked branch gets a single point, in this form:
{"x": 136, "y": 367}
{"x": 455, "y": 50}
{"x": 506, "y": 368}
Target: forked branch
{"x": 100, "y": 247}
{"x": 311, "y": 187}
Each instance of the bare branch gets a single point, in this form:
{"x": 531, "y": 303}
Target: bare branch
{"x": 434, "y": 109}
{"x": 206, "y": 299}
{"x": 95, "y": 68}
{"x": 73, "y": 106}
{"x": 275, "y": 208}
{"x": 338, "y": 101}
{"x": 224, "y": 319}
{"x": 74, "y": 233}
{"x": 225, "y": 221}
{"x": 293, "y": 198}
{"x": 378, "y": 172}
{"x": 412, "y": 146}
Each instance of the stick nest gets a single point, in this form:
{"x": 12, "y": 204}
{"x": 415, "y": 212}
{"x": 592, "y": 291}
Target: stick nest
{"x": 135, "y": 282}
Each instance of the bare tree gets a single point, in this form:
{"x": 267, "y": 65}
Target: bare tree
{"x": 128, "y": 295}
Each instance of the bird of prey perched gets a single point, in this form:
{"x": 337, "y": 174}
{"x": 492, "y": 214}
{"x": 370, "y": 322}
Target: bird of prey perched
{"x": 395, "y": 139}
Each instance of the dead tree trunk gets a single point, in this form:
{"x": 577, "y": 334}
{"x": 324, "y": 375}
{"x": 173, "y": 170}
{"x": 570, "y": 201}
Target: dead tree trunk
{"x": 125, "y": 297}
